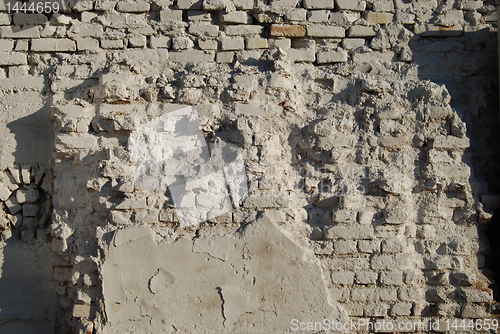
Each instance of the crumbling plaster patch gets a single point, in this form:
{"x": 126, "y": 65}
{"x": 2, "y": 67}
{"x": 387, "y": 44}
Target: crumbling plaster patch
{"x": 263, "y": 281}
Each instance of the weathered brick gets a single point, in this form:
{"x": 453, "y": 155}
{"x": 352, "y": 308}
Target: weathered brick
{"x": 450, "y": 142}
{"x": 87, "y": 44}
{"x": 473, "y": 311}
{"x": 344, "y": 216}
{"x": 81, "y": 311}
{"x": 13, "y": 58}
{"x": 243, "y": 4}
{"x": 349, "y": 232}
{"x": 169, "y": 16}
{"x": 225, "y": 57}
{"x": 318, "y": 4}
{"x": 257, "y": 43}
{"x": 392, "y": 246}
{"x": 361, "y": 31}
{"x": 378, "y": 18}
{"x": 399, "y": 309}
{"x": 16, "y": 32}
{"x": 366, "y": 277}
{"x": 137, "y": 41}
{"x": 53, "y": 45}
{"x": 199, "y": 15}
{"x": 191, "y": 56}
{"x": 5, "y": 19}
{"x": 391, "y": 278}
{"x": 129, "y": 6}
{"x": 112, "y": 43}
{"x": 345, "y": 247}
{"x": 21, "y": 45}
{"x": 318, "y": 30}
{"x": 383, "y": 6}
{"x": 354, "y": 5}
{"x": 296, "y": 14}
{"x": 342, "y": 277}
{"x": 233, "y": 43}
{"x": 190, "y": 4}
{"x": 159, "y": 42}
{"x": 6, "y": 45}
{"x": 23, "y": 19}
{"x": 284, "y": 43}
{"x": 279, "y": 30}
{"x": 85, "y": 30}
{"x": 388, "y": 262}
{"x": 13, "y": 205}
{"x": 207, "y": 44}
{"x": 243, "y": 30}
{"x": 377, "y": 310}
{"x": 352, "y": 43}
{"x": 236, "y": 17}
{"x": 74, "y": 141}
{"x": 318, "y": 16}
{"x": 430, "y": 30}
{"x": 334, "y": 56}
{"x": 369, "y": 246}
{"x": 204, "y": 29}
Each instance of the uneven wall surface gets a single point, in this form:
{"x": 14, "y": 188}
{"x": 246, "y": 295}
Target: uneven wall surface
{"x": 367, "y": 130}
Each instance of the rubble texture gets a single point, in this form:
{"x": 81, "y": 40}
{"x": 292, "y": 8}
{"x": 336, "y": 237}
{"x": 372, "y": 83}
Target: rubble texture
{"x": 367, "y": 130}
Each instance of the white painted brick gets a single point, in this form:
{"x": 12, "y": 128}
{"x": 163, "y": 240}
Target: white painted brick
{"x": 233, "y": 43}
{"x": 13, "y": 58}
{"x": 87, "y": 44}
{"x": 318, "y": 4}
{"x": 52, "y": 45}
{"x": 159, "y": 42}
{"x": 318, "y": 30}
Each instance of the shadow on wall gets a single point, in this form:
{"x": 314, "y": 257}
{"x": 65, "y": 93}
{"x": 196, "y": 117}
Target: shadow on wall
{"x": 27, "y": 292}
